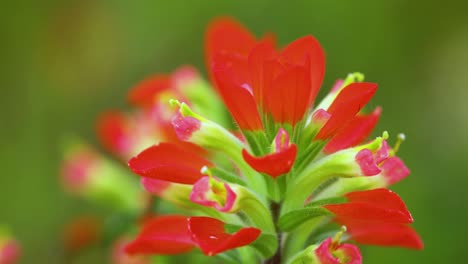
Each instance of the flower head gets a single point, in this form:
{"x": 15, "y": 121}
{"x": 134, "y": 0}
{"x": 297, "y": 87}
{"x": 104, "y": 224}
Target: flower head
{"x": 290, "y": 164}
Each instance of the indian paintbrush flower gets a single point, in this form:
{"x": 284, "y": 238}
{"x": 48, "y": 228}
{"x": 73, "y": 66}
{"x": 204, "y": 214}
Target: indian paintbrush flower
{"x": 261, "y": 189}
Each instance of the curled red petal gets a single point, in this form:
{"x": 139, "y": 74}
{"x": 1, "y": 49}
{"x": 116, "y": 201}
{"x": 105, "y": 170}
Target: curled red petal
{"x": 379, "y": 205}
{"x": 210, "y": 236}
{"x": 345, "y": 106}
{"x": 239, "y": 101}
{"x": 296, "y": 53}
{"x": 144, "y": 93}
{"x": 113, "y": 131}
{"x": 354, "y": 133}
{"x": 162, "y": 235}
{"x": 385, "y": 234}
{"x": 169, "y": 162}
{"x": 274, "y": 164}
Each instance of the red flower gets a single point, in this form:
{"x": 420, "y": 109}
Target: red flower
{"x": 345, "y": 106}
{"x": 277, "y": 163}
{"x": 354, "y": 133}
{"x": 284, "y": 84}
{"x": 384, "y": 234}
{"x": 212, "y": 239}
{"x": 178, "y": 234}
{"x": 380, "y": 205}
{"x": 169, "y": 162}
{"x": 377, "y": 217}
{"x": 163, "y": 235}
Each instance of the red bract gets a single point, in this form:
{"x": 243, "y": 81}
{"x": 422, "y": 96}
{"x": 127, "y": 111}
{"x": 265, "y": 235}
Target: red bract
{"x": 163, "y": 235}
{"x": 169, "y": 162}
{"x": 357, "y": 130}
{"x": 384, "y": 234}
{"x": 379, "y": 205}
{"x": 377, "y": 217}
{"x": 284, "y": 84}
{"x": 211, "y": 237}
{"x": 274, "y": 164}
{"x": 238, "y": 100}
{"x": 345, "y": 106}
{"x": 227, "y": 37}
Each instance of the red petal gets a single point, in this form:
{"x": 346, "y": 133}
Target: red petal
{"x": 239, "y": 100}
{"x": 113, "y": 131}
{"x": 212, "y": 239}
{"x": 379, "y": 205}
{"x": 287, "y": 99}
{"x": 144, "y": 93}
{"x": 260, "y": 74}
{"x": 169, "y": 162}
{"x": 298, "y": 51}
{"x": 274, "y": 164}
{"x": 385, "y": 234}
{"x": 163, "y": 235}
{"x": 345, "y": 106}
{"x": 367, "y": 163}
{"x": 226, "y": 35}
{"x": 394, "y": 170}
{"x": 354, "y": 133}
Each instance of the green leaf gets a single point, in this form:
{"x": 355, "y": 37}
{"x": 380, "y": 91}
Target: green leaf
{"x": 293, "y": 219}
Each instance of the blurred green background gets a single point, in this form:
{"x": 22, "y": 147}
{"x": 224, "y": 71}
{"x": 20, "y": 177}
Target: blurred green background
{"x": 63, "y": 62}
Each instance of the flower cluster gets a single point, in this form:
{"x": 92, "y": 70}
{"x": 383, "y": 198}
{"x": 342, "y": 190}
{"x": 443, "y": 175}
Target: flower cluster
{"x": 290, "y": 180}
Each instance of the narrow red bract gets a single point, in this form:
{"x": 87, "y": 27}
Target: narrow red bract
{"x": 225, "y": 35}
{"x": 274, "y": 164}
{"x": 378, "y": 205}
{"x": 354, "y": 133}
{"x": 211, "y": 237}
{"x": 301, "y": 49}
{"x": 384, "y": 234}
{"x": 239, "y": 101}
{"x": 169, "y": 162}
{"x": 163, "y": 235}
{"x": 345, "y": 106}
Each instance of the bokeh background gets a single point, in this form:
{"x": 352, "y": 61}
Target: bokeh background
{"x": 63, "y": 62}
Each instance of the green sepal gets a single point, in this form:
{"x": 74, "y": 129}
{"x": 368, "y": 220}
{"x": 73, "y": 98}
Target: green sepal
{"x": 293, "y": 219}
{"x": 266, "y": 244}
{"x": 227, "y": 176}
{"x": 331, "y": 200}
{"x": 306, "y": 156}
